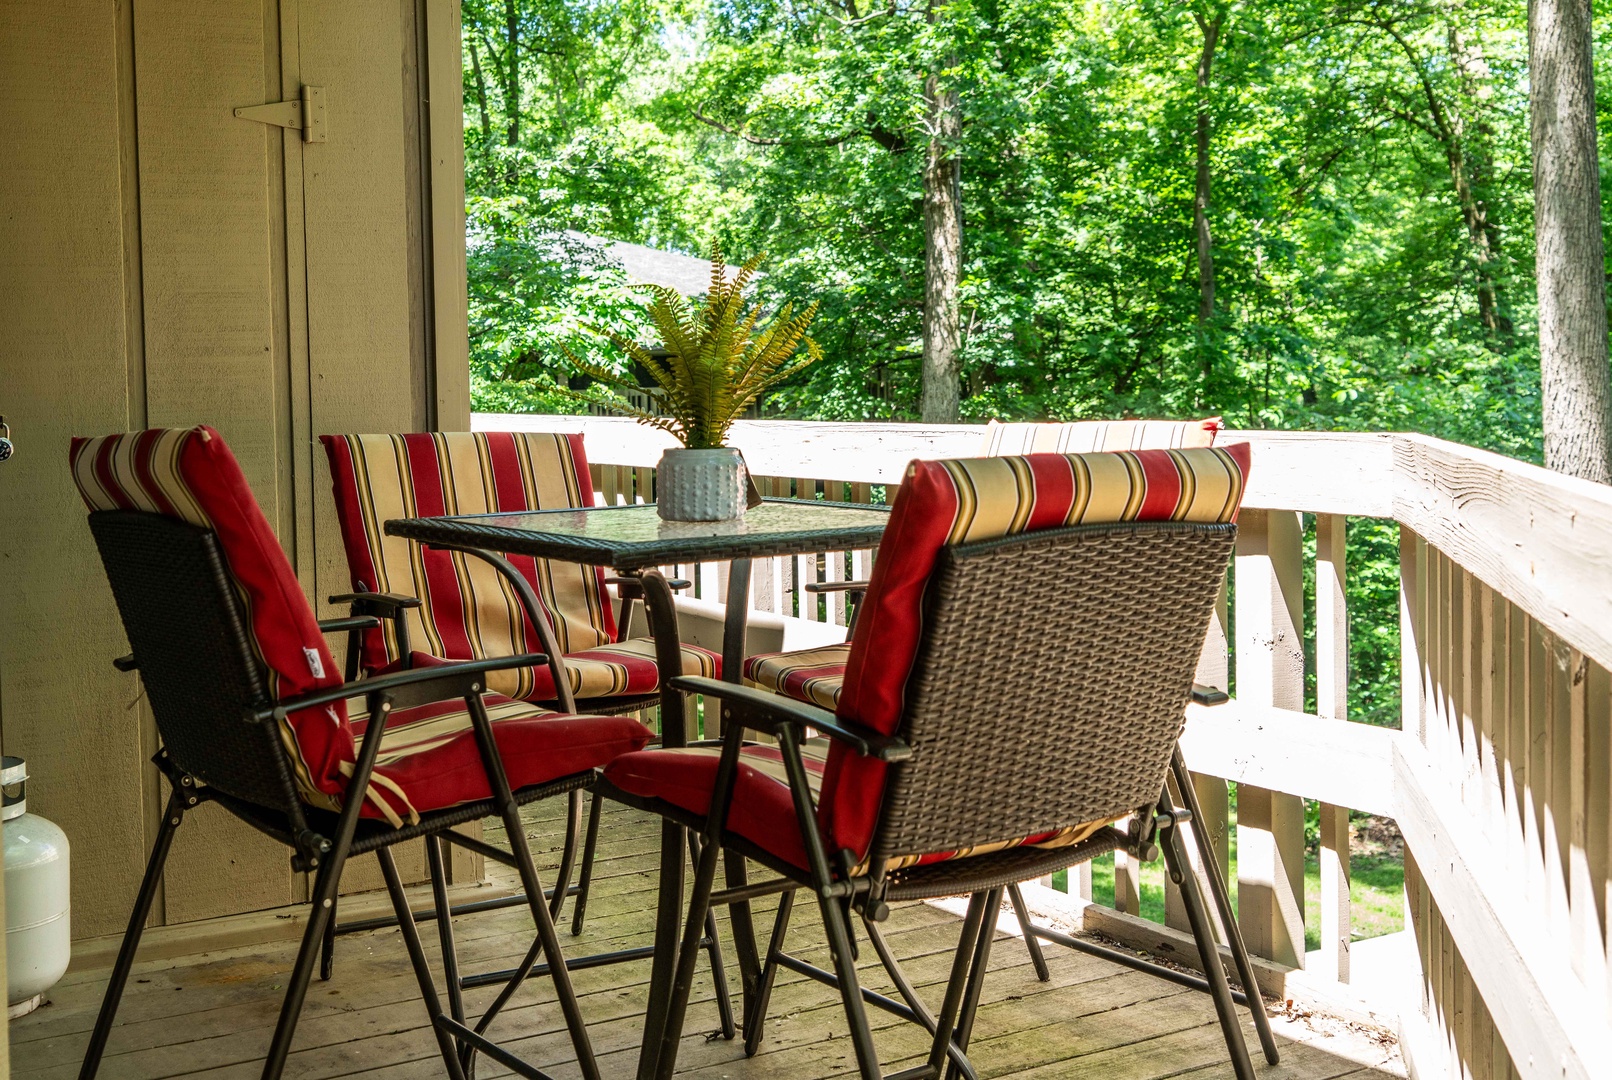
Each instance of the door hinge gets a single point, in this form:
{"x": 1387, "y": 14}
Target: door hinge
{"x": 306, "y": 114}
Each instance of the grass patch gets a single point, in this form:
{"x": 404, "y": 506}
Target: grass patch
{"x": 1376, "y": 889}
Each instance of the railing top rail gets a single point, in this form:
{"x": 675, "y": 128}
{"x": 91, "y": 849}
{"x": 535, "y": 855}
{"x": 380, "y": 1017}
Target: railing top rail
{"x": 1542, "y": 539}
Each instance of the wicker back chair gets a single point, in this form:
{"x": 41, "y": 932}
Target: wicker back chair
{"x": 1016, "y": 686}
{"x": 254, "y": 717}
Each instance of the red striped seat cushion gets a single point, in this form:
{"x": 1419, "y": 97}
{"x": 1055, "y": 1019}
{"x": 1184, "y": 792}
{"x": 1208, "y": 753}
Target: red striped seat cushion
{"x": 815, "y": 676}
{"x": 763, "y": 809}
{"x": 429, "y": 759}
{"x": 627, "y": 669}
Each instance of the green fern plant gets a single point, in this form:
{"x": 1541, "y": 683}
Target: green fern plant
{"x": 720, "y": 358}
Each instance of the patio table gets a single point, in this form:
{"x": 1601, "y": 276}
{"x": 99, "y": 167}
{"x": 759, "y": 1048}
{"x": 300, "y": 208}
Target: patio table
{"x": 635, "y": 542}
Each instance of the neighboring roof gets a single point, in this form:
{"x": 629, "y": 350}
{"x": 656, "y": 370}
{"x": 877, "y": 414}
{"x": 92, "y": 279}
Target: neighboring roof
{"x": 687, "y": 274}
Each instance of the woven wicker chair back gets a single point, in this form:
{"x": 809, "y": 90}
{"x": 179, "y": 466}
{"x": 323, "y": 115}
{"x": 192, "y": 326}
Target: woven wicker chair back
{"x": 201, "y": 674}
{"x": 1051, "y": 681}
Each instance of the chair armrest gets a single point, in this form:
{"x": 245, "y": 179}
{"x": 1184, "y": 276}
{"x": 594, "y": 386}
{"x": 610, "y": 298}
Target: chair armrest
{"x": 126, "y": 663}
{"x": 835, "y": 586}
{"x": 766, "y": 711}
{"x": 456, "y": 681}
{"x": 1209, "y": 695}
{"x": 386, "y": 605}
{"x": 352, "y": 622}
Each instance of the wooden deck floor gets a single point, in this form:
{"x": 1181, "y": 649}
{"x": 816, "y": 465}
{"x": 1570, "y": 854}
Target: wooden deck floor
{"x": 210, "y": 1015}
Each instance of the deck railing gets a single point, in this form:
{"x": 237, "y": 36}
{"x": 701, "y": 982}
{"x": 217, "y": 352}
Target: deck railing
{"x": 1500, "y": 778}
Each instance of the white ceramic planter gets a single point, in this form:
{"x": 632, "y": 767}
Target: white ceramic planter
{"x": 701, "y": 485}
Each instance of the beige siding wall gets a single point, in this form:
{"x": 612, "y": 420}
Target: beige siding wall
{"x": 165, "y": 263}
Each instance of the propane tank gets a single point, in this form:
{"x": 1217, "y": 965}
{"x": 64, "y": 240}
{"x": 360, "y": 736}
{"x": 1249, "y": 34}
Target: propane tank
{"x": 39, "y": 935}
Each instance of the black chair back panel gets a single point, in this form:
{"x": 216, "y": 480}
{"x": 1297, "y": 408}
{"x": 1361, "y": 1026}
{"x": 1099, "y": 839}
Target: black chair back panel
{"x": 187, "y": 629}
{"x": 1051, "y": 682}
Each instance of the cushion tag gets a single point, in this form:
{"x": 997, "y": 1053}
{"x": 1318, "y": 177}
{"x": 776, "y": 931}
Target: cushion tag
{"x": 315, "y": 665}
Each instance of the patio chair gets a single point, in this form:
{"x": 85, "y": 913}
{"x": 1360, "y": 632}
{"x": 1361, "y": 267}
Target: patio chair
{"x": 815, "y": 675}
{"x": 436, "y": 605}
{"x": 254, "y": 718}
{"x": 1016, "y": 685}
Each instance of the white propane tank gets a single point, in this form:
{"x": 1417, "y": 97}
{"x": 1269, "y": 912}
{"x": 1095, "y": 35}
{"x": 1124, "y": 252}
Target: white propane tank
{"x": 39, "y": 936}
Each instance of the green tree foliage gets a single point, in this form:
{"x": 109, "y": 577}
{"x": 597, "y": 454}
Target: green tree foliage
{"x": 1369, "y": 204}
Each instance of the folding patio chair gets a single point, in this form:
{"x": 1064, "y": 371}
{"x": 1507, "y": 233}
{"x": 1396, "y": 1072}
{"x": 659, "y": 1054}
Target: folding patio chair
{"x": 253, "y": 717}
{"x": 436, "y": 606}
{"x": 815, "y": 675}
{"x": 988, "y": 731}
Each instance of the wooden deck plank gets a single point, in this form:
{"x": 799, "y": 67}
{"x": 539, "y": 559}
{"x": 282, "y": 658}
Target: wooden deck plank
{"x": 208, "y": 1016}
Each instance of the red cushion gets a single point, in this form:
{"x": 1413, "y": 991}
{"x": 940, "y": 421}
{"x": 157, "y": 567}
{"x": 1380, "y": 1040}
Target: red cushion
{"x": 429, "y": 759}
{"x": 467, "y": 611}
{"x": 763, "y": 810}
{"x": 190, "y": 474}
{"x": 943, "y": 503}
{"x": 627, "y": 669}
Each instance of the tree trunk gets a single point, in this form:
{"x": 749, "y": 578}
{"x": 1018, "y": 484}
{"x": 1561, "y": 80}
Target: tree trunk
{"x": 1200, "y": 203}
{"x": 1576, "y": 377}
{"x": 481, "y": 100}
{"x": 943, "y": 256}
{"x": 512, "y": 73}
{"x": 1471, "y": 158}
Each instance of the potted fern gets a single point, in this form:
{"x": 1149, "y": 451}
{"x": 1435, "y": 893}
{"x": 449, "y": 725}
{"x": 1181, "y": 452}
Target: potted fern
{"x": 717, "y": 357}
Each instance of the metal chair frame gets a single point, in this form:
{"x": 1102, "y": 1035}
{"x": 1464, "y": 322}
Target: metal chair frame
{"x": 222, "y": 736}
{"x": 932, "y": 800}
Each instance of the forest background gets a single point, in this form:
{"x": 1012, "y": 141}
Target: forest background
{"x": 1294, "y": 213}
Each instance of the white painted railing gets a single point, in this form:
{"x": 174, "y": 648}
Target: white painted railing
{"x": 1501, "y": 779}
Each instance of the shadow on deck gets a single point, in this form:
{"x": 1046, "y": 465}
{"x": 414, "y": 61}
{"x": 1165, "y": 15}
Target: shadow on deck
{"x": 209, "y": 1015}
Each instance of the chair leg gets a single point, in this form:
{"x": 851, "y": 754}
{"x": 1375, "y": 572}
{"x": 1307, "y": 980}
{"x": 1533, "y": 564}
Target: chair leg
{"x": 446, "y": 1044}
{"x": 1228, "y": 917}
{"x": 755, "y": 1016}
{"x": 839, "y": 942}
{"x": 568, "y": 855}
{"x": 676, "y": 1008}
{"x": 546, "y": 934}
{"x": 744, "y": 931}
{"x": 590, "y": 847}
{"x": 957, "y": 986}
{"x": 713, "y": 949}
{"x": 171, "y": 818}
{"x": 1032, "y": 944}
{"x": 976, "y": 975}
{"x": 324, "y": 901}
{"x": 1208, "y": 953}
{"x": 327, "y": 947}
{"x": 450, "y": 953}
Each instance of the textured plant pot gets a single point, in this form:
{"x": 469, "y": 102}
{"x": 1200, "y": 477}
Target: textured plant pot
{"x": 700, "y": 485}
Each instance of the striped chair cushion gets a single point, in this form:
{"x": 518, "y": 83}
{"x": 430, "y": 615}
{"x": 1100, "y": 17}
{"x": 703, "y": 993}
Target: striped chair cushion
{"x": 429, "y": 759}
{"x": 190, "y": 474}
{"x": 943, "y": 503}
{"x": 624, "y": 669}
{"x": 811, "y": 675}
{"x": 763, "y": 809}
{"x": 467, "y": 610}
{"x": 1090, "y": 436}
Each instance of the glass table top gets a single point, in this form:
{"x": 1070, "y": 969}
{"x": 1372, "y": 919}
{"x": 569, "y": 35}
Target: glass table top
{"x": 629, "y": 537}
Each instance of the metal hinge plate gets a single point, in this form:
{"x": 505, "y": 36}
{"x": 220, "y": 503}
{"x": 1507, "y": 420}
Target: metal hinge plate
{"x": 306, "y": 114}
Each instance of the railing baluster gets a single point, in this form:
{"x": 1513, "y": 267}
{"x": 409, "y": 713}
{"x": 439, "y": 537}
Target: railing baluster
{"x": 1270, "y": 671}
{"x": 1332, "y": 702}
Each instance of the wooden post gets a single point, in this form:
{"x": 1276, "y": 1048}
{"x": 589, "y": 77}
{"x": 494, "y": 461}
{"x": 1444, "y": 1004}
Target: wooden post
{"x": 1270, "y": 671}
{"x": 1332, "y": 702}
